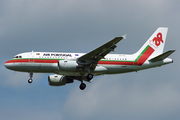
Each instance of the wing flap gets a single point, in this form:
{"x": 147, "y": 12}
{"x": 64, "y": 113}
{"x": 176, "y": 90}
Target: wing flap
{"x": 99, "y": 53}
{"x": 162, "y": 56}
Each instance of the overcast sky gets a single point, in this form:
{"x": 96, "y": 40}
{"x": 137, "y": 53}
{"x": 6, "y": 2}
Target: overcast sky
{"x": 81, "y": 26}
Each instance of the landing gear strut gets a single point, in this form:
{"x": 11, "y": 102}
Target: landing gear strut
{"x": 89, "y": 76}
{"x": 30, "y": 79}
{"x": 82, "y": 86}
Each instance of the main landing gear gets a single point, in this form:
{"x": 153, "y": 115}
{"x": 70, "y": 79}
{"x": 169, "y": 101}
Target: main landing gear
{"x": 30, "y": 79}
{"x": 83, "y": 85}
{"x": 89, "y": 76}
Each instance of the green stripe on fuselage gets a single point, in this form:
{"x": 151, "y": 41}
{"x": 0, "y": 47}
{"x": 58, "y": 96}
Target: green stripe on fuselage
{"x": 141, "y": 53}
{"x": 100, "y": 60}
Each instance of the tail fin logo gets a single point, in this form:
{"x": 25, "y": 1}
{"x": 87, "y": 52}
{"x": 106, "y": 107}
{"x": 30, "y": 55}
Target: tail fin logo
{"x": 157, "y": 40}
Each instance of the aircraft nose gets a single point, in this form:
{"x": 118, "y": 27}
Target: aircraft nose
{"x": 8, "y": 65}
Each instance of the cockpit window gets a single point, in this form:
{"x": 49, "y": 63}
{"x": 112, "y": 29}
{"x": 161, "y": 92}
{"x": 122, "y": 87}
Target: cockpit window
{"x": 17, "y": 56}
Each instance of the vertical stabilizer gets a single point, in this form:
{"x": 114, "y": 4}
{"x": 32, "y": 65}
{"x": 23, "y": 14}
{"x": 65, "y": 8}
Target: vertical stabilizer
{"x": 156, "y": 42}
{"x": 153, "y": 47}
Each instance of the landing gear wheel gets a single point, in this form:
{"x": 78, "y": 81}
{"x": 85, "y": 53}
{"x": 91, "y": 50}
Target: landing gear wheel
{"x": 89, "y": 76}
{"x": 30, "y": 80}
{"x": 82, "y": 86}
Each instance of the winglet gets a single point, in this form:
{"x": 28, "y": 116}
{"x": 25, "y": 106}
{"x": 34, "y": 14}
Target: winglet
{"x": 124, "y": 36}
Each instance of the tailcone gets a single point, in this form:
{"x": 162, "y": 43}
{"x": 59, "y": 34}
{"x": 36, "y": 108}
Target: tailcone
{"x": 167, "y": 61}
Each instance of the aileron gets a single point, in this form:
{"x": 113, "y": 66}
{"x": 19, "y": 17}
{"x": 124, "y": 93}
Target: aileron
{"x": 99, "y": 52}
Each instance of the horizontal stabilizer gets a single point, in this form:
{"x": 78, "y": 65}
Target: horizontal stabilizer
{"x": 162, "y": 56}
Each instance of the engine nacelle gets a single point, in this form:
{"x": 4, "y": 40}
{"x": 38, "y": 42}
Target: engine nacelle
{"x": 58, "y": 80}
{"x": 67, "y": 65}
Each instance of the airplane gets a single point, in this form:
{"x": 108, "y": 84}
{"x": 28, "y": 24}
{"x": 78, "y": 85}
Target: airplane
{"x": 68, "y": 67}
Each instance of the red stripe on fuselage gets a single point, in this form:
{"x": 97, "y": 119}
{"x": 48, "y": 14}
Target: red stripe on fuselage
{"x": 32, "y": 60}
{"x": 115, "y": 63}
{"x": 140, "y": 61}
{"x": 145, "y": 56}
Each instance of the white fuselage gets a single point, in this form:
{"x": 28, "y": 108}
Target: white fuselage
{"x": 68, "y": 67}
{"x": 47, "y": 62}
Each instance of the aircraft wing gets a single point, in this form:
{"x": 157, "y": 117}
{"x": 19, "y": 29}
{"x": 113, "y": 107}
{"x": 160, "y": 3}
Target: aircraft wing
{"x": 94, "y": 56}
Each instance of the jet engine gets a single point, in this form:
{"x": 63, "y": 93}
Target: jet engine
{"x": 67, "y": 65}
{"x": 58, "y": 80}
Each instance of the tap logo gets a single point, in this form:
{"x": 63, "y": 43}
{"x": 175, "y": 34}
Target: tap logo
{"x": 157, "y": 40}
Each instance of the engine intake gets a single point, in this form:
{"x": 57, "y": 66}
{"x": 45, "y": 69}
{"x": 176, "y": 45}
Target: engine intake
{"x": 58, "y": 80}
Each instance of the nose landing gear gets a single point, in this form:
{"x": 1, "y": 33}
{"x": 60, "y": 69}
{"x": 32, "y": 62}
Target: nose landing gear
{"x": 30, "y": 79}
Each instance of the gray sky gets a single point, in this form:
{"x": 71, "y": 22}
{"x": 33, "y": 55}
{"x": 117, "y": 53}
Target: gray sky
{"x": 81, "y": 26}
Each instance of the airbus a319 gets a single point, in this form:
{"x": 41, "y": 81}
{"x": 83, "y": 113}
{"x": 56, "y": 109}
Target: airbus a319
{"x": 68, "y": 67}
